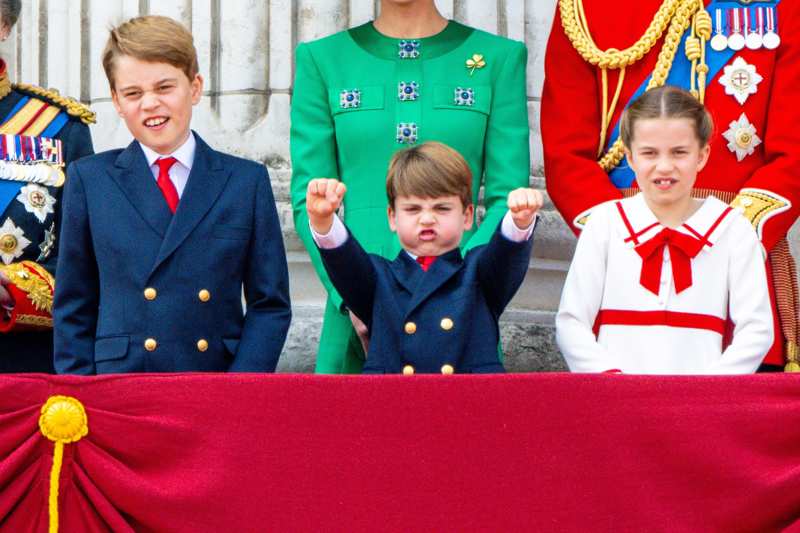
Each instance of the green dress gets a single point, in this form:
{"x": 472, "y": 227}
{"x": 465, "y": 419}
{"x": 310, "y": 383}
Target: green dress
{"x": 359, "y": 96}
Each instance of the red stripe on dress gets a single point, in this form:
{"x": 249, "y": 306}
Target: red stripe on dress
{"x": 627, "y": 224}
{"x": 716, "y": 223}
{"x": 675, "y": 319}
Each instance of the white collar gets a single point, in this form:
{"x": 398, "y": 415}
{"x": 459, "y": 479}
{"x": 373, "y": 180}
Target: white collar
{"x": 704, "y": 221}
{"x": 184, "y": 154}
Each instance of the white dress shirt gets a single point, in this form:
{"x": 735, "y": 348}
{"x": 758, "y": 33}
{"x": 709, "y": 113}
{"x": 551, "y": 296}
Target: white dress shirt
{"x": 337, "y": 235}
{"x": 178, "y": 172}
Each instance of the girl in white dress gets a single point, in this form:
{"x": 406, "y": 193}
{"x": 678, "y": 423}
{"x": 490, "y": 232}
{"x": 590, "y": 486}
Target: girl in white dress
{"x": 661, "y": 282}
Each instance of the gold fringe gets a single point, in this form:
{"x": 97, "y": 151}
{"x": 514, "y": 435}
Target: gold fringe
{"x": 70, "y": 105}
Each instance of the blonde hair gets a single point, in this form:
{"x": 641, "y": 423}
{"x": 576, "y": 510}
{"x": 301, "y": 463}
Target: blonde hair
{"x": 430, "y": 170}
{"x": 667, "y": 102}
{"x": 154, "y": 39}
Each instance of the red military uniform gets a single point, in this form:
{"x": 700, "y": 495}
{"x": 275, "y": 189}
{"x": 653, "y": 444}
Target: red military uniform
{"x": 755, "y": 156}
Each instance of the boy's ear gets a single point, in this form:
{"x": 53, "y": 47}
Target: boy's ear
{"x": 115, "y": 101}
{"x": 390, "y": 214}
{"x": 197, "y": 88}
{"x": 469, "y": 217}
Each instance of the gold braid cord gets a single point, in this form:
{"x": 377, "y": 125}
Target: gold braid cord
{"x": 674, "y": 16}
{"x": 70, "y": 105}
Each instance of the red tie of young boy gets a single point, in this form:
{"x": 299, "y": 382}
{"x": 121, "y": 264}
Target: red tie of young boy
{"x": 425, "y": 261}
{"x": 165, "y": 183}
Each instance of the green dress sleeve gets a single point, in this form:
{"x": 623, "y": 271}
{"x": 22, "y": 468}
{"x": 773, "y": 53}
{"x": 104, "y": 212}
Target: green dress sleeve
{"x": 313, "y": 151}
{"x": 507, "y": 156}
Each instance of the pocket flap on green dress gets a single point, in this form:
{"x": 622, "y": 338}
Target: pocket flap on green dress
{"x": 463, "y": 97}
{"x": 351, "y": 99}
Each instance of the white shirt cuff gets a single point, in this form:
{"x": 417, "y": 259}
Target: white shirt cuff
{"x": 335, "y": 237}
{"x": 510, "y": 231}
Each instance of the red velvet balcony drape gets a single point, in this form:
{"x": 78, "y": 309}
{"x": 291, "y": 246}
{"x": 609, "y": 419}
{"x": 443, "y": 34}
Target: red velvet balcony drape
{"x": 546, "y": 452}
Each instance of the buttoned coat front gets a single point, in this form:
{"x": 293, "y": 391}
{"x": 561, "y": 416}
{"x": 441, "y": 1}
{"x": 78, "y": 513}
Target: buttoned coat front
{"x": 445, "y": 316}
{"x": 334, "y": 138}
{"x": 131, "y": 274}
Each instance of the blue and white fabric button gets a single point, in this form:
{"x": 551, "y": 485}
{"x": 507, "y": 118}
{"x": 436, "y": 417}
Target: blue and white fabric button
{"x": 409, "y": 49}
{"x": 464, "y": 96}
{"x": 408, "y": 91}
{"x": 349, "y": 99}
{"x": 407, "y": 133}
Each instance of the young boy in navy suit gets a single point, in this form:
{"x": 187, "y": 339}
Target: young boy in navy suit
{"x": 429, "y": 310}
{"x": 160, "y": 237}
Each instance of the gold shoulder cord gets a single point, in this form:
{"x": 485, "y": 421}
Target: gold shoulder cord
{"x": 674, "y": 16}
{"x": 73, "y": 107}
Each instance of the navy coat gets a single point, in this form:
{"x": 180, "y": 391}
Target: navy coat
{"x": 445, "y": 316}
{"x": 32, "y": 351}
{"x": 141, "y": 290}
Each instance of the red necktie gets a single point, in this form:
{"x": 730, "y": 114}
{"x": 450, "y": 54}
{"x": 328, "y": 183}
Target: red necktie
{"x": 682, "y": 249}
{"x": 165, "y": 183}
{"x": 425, "y": 261}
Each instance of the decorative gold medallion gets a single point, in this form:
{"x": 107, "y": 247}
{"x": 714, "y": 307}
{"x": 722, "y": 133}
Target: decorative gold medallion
{"x": 476, "y": 61}
{"x": 12, "y": 241}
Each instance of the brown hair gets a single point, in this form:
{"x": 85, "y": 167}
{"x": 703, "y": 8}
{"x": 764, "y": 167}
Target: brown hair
{"x": 154, "y": 39}
{"x": 429, "y": 170}
{"x": 667, "y": 102}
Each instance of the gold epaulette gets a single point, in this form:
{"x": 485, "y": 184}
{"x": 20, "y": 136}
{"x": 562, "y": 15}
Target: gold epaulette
{"x": 70, "y": 105}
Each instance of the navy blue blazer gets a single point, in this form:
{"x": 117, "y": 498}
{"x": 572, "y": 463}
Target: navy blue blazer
{"x": 141, "y": 290}
{"x": 445, "y": 316}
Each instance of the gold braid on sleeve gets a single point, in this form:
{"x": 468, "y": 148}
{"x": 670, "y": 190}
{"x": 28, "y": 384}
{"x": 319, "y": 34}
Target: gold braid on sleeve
{"x": 674, "y": 17}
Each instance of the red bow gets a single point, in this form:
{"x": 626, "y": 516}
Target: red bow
{"x": 425, "y": 261}
{"x": 682, "y": 249}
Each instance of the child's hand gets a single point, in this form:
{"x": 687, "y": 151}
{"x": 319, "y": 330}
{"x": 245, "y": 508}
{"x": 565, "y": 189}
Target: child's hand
{"x": 323, "y": 198}
{"x": 524, "y": 203}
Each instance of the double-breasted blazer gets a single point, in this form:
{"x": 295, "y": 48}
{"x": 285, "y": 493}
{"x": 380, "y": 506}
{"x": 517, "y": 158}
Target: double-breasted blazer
{"x": 421, "y": 321}
{"x": 143, "y": 290}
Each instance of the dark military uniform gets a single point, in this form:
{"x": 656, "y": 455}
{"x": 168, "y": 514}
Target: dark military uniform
{"x": 40, "y": 133}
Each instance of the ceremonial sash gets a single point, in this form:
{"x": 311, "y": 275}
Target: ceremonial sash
{"x": 28, "y": 153}
{"x": 679, "y": 75}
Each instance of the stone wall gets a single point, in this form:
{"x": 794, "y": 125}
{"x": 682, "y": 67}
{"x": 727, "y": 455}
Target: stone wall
{"x": 246, "y": 50}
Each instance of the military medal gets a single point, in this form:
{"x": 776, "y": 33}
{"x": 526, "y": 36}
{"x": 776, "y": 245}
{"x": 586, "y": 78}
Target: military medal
{"x": 736, "y": 40}
{"x": 740, "y": 80}
{"x": 741, "y": 137}
{"x": 719, "y": 41}
{"x": 752, "y": 39}
{"x": 37, "y": 200}
{"x": 771, "y": 38}
{"x": 12, "y": 241}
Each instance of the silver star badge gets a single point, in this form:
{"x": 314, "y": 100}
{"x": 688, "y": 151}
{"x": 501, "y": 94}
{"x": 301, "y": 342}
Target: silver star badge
{"x": 740, "y": 80}
{"x": 741, "y": 137}
{"x": 37, "y": 200}
{"x": 12, "y": 241}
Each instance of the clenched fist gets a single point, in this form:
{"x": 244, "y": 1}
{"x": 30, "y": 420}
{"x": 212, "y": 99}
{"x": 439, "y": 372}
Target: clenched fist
{"x": 524, "y": 203}
{"x": 323, "y": 198}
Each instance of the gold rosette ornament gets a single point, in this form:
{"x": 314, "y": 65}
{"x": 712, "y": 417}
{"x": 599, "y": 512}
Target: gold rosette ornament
{"x": 63, "y": 421}
{"x": 476, "y": 61}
